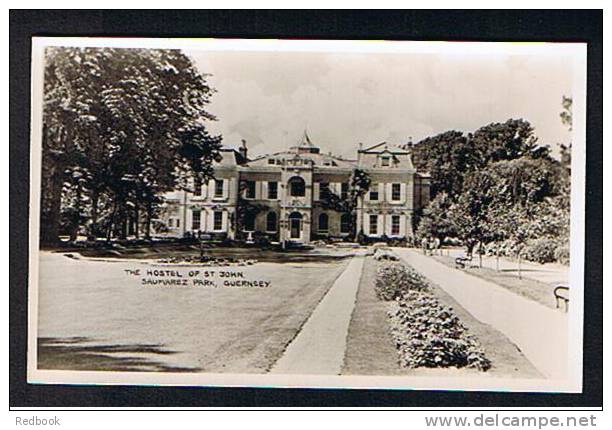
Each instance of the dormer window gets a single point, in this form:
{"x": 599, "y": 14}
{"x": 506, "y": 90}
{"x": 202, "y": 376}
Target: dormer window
{"x": 271, "y": 161}
{"x": 385, "y": 161}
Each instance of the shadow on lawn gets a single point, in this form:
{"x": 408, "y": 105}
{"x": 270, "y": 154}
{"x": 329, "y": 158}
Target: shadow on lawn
{"x": 77, "y": 353}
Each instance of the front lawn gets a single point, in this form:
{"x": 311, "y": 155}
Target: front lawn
{"x": 530, "y": 288}
{"x": 92, "y": 316}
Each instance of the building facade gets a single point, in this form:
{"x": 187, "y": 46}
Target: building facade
{"x": 281, "y": 196}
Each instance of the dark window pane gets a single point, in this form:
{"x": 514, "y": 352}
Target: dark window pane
{"x": 271, "y": 221}
{"x": 323, "y": 223}
{"x": 373, "y": 224}
{"x": 250, "y": 190}
{"x": 218, "y": 221}
{"x": 195, "y": 220}
{"x": 273, "y": 190}
{"x": 298, "y": 187}
{"x": 395, "y": 225}
{"x": 218, "y": 187}
{"x": 345, "y": 223}
{"x": 396, "y": 192}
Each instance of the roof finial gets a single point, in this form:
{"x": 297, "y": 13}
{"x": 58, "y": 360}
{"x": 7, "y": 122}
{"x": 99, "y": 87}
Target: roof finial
{"x": 305, "y": 139}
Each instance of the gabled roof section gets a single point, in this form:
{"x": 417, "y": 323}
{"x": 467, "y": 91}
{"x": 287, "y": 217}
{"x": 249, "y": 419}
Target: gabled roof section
{"x": 383, "y": 147}
{"x": 371, "y": 148}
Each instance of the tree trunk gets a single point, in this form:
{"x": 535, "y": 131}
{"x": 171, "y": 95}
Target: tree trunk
{"x": 148, "y": 224}
{"x": 136, "y": 222}
{"x": 480, "y": 255}
{"x": 51, "y": 205}
{"x": 497, "y": 258}
{"x": 93, "y": 226}
{"x": 519, "y": 265}
{"x": 111, "y": 223}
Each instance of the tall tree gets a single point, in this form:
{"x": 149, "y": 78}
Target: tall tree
{"x": 436, "y": 220}
{"x": 358, "y": 186}
{"x": 447, "y": 157}
{"x": 509, "y": 140}
{"x": 133, "y": 121}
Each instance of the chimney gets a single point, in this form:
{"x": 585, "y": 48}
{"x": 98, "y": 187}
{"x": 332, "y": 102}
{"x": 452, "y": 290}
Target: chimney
{"x": 243, "y": 149}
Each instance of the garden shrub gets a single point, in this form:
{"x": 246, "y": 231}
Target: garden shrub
{"x": 540, "y": 251}
{"x": 562, "y": 254}
{"x": 384, "y": 254}
{"x": 393, "y": 279}
{"x": 428, "y": 334}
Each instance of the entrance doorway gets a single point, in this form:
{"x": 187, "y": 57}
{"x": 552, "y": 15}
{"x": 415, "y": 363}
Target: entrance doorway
{"x": 295, "y": 225}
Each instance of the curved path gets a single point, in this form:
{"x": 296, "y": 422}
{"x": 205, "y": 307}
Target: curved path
{"x": 320, "y": 345}
{"x": 540, "y": 332}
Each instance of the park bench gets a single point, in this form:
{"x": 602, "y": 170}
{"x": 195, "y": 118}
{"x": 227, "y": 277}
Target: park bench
{"x": 561, "y": 293}
{"x": 461, "y": 261}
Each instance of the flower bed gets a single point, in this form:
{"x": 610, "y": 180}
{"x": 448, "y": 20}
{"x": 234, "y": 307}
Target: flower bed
{"x": 393, "y": 279}
{"x": 207, "y": 260}
{"x": 428, "y": 334}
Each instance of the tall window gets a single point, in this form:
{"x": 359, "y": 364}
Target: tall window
{"x": 250, "y": 190}
{"x": 297, "y": 187}
{"x": 373, "y": 224}
{"x": 195, "y": 219}
{"x": 197, "y": 186}
{"x": 218, "y": 187}
{"x": 324, "y": 190}
{"x": 396, "y": 192}
{"x": 323, "y": 223}
{"x": 271, "y": 222}
{"x": 345, "y": 223}
{"x": 272, "y": 190}
{"x": 218, "y": 221}
{"x": 374, "y": 192}
{"x": 344, "y": 189}
{"x": 395, "y": 225}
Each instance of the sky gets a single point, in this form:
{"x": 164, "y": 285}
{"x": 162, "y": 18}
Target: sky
{"x": 342, "y": 99}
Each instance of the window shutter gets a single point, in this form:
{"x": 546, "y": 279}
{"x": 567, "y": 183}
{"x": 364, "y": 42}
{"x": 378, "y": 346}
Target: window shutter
{"x": 210, "y": 224}
{"x": 366, "y": 223}
{"x": 225, "y": 188}
{"x": 403, "y": 225}
{"x": 188, "y": 219}
{"x": 388, "y": 226}
{"x": 381, "y": 192}
{"x": 389, "y": 192}
{"x": 264, "y": 189}
{"x": 317, "y": 191}
{"x": 380, "y": 225}
{"x": 224, "y": 221}
{"x": 402, "y": 193}
{"x": 204, "y": 189}
{"x": 211, "y": 188}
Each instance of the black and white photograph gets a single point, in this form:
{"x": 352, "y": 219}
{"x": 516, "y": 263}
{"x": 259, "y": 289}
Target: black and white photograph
{"x": 307, "y": 213}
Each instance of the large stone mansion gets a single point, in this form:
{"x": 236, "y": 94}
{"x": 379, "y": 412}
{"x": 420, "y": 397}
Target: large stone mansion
{"x": 289, "y": 186}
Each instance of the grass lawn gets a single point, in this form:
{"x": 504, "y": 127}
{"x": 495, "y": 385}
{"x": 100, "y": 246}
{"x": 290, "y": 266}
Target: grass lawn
{"x": 371, "y": 350}
{"x": 92, "y": 316}
{"x": 540, "y": 292}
